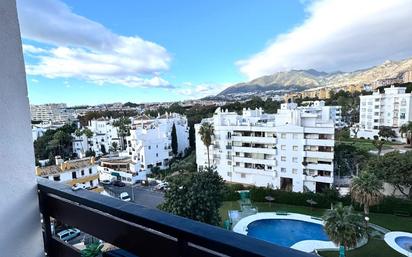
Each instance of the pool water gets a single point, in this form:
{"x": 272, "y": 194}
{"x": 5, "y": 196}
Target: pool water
{"x": 405, "y": 242}
{"x": 286, "y": 232}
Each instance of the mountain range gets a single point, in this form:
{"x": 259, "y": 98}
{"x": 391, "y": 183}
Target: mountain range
{"x": 298, "y": 80}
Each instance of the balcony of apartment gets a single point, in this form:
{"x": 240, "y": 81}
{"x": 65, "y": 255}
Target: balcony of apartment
{"x": 254, "y": 149}
{"x": 319, "y": 154}
{"x": 268, "y": 161}
{"x": 253, "y": 139}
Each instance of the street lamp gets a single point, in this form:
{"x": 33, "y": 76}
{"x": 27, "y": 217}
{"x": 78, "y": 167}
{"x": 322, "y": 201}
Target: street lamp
{"x": 366, "y": 225}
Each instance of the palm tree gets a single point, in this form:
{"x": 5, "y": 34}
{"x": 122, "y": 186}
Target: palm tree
{"x": 406, "y": 131}
{"x": 206, "y": 133}
{"x": 343, "y": 226}
{"x": 366, "y": 190}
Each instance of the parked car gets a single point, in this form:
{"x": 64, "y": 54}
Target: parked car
{"x": 106, "y": 182}
{"x": 125, "y": 197}
{"x": 79, "y": 186}
{"x": 162, "y": 186}
{"x": 68, "y": 234}
{"x": 118, "y": 183}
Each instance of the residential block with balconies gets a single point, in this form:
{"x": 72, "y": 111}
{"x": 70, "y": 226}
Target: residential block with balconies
{"x": 291, "y": 150}
{"x": 392, "y": 109}
{"x": 150, "y": 140}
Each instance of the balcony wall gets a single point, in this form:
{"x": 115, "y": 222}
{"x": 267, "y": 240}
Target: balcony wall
{"x": 260, "y": 140}
{"x": 19, "y": 215}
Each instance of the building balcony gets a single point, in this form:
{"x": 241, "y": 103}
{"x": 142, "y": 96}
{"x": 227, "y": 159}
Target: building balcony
{"x": 271, "y": 162}
{"x": 245, "y": 149}
{"x": 320, "y": 142}
{"x": 139, "y": 230}
{"x": 260, "y": 140}
{"x": 318, "y": 154}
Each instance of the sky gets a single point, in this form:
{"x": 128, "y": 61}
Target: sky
{"x": 92, "y": 52}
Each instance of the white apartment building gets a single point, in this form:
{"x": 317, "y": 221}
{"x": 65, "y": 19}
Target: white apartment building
{"x": 392, "y": 109}
{"x": 324, "y": 112}
{"x": 291, "y": 150}
{"x": 51, "y": 112}
{"x": 81, "y": 171}
{"x": 150, "y": 140}
{"x": 104, "y": 134}
{"x": 121, "y": 168}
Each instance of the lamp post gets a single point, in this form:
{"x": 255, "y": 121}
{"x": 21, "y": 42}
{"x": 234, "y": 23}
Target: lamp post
{"x": 366, "y": 225}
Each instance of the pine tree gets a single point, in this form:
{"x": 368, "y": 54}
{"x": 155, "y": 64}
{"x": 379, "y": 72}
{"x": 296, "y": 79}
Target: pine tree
{"x": 174, "y": 140}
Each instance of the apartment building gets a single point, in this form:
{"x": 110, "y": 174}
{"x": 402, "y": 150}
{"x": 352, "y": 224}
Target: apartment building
{"x": 121, "y": 168}
{"x": 150, "y": 140}
{"x": 51, "y": 112}
{"x": 72, "y": 172}
{"x": 324, "y": 112}
{"x": 291, "y": 150}
{"x": 104, "y": 134}
{"x": 393, "y": 108}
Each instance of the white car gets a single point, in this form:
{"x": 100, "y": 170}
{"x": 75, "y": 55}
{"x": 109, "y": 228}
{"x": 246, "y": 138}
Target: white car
{"x": 125, "y": 197}
{"x": 76, "y": 187}
{"x": 68, "y": 234}
{"x": 162, "y": 186}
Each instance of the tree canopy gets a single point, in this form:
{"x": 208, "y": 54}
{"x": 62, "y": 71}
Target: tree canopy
{"x": 197, "y": 196}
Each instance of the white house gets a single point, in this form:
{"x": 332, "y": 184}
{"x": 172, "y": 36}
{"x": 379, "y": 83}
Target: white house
{"x": 150, "y": 140}
{"x": 80, "y": 171}
{"x": 121, "y": 168}
{"x": 392, "y": 109}
{"x": 104, "y": 135}
{"x": 291, "y": 150}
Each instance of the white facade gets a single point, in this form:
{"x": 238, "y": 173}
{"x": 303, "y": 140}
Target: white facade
{"x": 104, "y": 134}
{"x": 391, "y": 109}
{"x": 38, "y": 130}
{"x": 324, "y": 112}
{"x": 81, "y": 171}
{"x": 150, "y": 140}
{"x": 51, "y": 112}
{"x": 290, "y": 150}
{"x": 121, "y": 168}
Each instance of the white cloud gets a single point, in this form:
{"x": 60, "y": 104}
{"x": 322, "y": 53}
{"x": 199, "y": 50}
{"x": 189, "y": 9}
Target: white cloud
{"x": 34, "y": 80}
{"x": 202, "y": 90}
{"x": 339, "y": 35}
{"x": 87, "y": 50}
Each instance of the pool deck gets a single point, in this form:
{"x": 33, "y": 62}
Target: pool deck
{"x": 390, "y": 240}
{"x": 305, "y": 245}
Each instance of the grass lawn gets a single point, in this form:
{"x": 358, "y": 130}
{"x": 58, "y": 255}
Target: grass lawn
{"x": 375, "y": 247}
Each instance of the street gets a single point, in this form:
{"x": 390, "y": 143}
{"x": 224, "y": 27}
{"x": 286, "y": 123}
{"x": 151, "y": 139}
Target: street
{"x": 142, "y": 195}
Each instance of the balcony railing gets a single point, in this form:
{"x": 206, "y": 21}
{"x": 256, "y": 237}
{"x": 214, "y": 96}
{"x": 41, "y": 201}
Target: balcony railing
{"x": 139, "y": 230}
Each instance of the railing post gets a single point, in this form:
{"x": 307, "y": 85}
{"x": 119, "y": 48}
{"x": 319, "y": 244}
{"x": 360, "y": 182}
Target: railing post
{"x": 47, "y": 234}
{"x": 183, "y": 247}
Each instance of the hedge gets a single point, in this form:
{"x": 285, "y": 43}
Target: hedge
{"x": 389, "y": 205}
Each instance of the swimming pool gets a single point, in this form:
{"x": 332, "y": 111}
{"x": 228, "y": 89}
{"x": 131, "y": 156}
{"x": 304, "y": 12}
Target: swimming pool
{"x": 286, "y": 232}
{"x": 400, "y": 241}
{"x": 297, "y": 231}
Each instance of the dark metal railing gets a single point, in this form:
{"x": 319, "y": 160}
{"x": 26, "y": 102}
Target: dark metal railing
{"x": 139, "y": 230}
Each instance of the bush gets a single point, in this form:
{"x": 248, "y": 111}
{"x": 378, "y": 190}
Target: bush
{"x": 389, "y": 205}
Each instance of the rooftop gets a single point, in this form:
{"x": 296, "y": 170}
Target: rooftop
{"x": 64, "y": 166}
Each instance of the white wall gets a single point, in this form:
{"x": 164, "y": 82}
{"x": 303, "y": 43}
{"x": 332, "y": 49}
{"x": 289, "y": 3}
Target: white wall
{"x": 19, "y": 214}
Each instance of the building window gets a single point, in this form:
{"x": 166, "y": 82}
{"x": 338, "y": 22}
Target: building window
{"x": 74, "y": 176}
{"x": 283, "y": 147}
{"x": 157, "y": 155}
{"x": 56, "y": 178}
{"x": 402, "y": 116}
{"x": 229, "y": 163}
{"x": 229, "y": 174}
{"x": 150, "y": 147}
{"x": 283, "y": 169}
{"x": 295, "y": 148}
{"x": 242, "y": 175}
{"x": 91, "y": 183}
{"x": 295, "y": 159}
{"x": 283, "y": 158}
{"x": 82, "y": 172}
{"x": 295, "y": 171}
{"x": 157, "y": 146}
{"x": 283, "y": 135}
{"x": 90, "y": 171}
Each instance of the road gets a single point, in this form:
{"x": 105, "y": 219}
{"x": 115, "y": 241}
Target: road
{"x": 145, "y": 196}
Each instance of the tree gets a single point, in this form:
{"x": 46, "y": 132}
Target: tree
{"x": 366, "y": 190}
{"x": 88, "y": 133}
{"x": 174, "y": 140}
{"x": 394, "y": 168}
{"x": 123, "y": 129}
{"x": 378, "y": 143}
{"x": 78, "y": 132}
{"x": 114, "y": 147}
{"x": 197, "y": 196}
{"x": 343, "y": 226}
{"x": 355, "y": 129}
{"x": 92, "y": 250}
{"x": 206, "y": 133}
{"x": 406, "y": 131}
{"x": 386, "y": 132}
{"x": 90, "y": 153}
